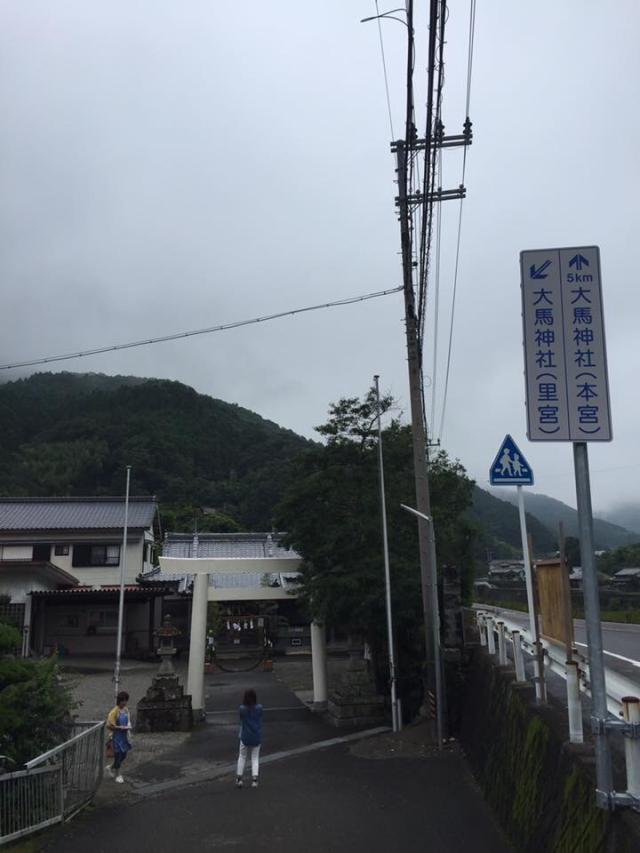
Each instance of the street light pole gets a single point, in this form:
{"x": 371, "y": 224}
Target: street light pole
{"x": 123, "y": 571}
{"x": 395, "y": 721}
{"x": 435, "y": 621}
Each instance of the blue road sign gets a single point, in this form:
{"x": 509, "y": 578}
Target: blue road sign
{"x": 510, "y": 468}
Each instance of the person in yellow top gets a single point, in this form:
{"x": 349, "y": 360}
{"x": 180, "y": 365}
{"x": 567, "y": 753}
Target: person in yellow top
{"x": 119, "y": 725}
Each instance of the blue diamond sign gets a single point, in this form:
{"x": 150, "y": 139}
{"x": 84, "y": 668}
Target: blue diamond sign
{"x": 510, "y": 468}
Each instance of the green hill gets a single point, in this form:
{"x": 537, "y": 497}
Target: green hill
{"x": 551, "y": 511}
{"x": 500, "y": 525}
{"x": 73, "y": 434}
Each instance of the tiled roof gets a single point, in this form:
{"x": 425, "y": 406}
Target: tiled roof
{"x": 112, "y": 589}
{"x": 227, "y": 545}
{"x": 248, "y": 580}
{"x": 74, "y": 513}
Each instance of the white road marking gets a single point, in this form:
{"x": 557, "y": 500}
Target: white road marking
{"x": 614, "y": 655}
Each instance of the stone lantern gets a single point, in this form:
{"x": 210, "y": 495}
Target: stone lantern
{"x": 166, "y": 707}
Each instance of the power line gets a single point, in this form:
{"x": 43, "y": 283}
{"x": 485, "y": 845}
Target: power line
{"x": 384, "y": 68}
{"x": 207, "y": 331}
{"x": 472, "y": 27}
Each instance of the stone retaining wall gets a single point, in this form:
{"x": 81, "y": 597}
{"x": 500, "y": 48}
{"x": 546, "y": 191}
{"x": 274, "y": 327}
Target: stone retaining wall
{"x": 540, "y": 787}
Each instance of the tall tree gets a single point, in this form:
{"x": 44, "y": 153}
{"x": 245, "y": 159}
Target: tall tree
{"x": 331, "y": 511}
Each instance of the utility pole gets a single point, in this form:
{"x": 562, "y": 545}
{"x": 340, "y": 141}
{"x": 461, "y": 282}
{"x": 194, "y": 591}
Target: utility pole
{"x": 420, "y": 462}
{"x": 405, "y": 201}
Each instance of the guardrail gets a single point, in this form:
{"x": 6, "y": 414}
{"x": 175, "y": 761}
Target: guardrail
{"x": 555, "y": 660}
{"x": 498, "y": 632}
{"x": 53, "y": 786}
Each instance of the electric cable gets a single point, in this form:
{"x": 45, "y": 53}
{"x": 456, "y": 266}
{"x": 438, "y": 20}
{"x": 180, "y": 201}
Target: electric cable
{"x": 206, "y": 331}
{"x": 472, "y": 26}
{"x": 384, "y": 69}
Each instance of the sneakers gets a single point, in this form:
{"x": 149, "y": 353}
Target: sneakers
{"x": 119, "y": 780}
{"x": 239, "y": 782}
{"x": 254, "y": 782}
{"x": 110, "y": 771}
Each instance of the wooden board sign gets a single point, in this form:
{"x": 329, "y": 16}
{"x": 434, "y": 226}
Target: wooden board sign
{"x": 554, "y": 597}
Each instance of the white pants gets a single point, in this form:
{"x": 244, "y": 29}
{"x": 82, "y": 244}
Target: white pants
{"x": 255, "y": 759}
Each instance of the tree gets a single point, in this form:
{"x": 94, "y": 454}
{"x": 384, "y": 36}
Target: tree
{"x": 34, "y": 706}
{"x": 331, "y": 511}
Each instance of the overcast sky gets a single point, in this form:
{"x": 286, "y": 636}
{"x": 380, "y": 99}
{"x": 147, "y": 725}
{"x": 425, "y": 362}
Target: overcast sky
{"x": 167, "y": 166}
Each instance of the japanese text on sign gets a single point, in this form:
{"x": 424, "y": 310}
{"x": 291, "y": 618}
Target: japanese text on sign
{"x": 564, "y": 345}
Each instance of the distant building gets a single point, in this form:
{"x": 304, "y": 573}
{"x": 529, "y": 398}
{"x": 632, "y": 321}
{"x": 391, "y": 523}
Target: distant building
{"x": 627, "y": 577}
{"x": 575, "y": 577}
{"x": 506, "y": 570}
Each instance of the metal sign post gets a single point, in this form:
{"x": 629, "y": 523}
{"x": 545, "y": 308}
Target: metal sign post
{"x": 510, "y": 468}
{"x": 435, "y": 615}
{"x": 396, "y": 722}
{"x": 568, "y": 400}
{"x": 123, "y": 571}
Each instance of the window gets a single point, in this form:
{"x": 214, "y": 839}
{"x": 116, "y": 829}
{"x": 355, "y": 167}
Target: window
{"x": 95, "y": 555}
{"x": 102, "y": 621}
{"x": 61, "y": 550}
{"x": 41, "y": 553}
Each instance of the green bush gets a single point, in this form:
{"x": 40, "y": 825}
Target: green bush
{"x": 35, "y": 709}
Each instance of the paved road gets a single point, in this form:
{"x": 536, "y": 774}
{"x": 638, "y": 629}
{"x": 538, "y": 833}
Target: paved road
{"x": 330, "y": 800}
{"x": 617, "y": 638}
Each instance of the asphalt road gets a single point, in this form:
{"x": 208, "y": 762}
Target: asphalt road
{"x": 331, "y": 800}
{"x": 617, "y": 638}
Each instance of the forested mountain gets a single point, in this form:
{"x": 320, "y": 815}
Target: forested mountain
{"x": 551, "y": 511}
{"x": 73, "y": 434}
{"x": 499, "y": 525}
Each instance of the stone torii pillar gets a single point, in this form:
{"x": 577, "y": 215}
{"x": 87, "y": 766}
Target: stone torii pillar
{"x": 197, "y": 644}
{"x": 319, "y": 666}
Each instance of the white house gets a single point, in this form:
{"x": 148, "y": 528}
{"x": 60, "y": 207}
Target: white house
{"x": 60, "y": 564}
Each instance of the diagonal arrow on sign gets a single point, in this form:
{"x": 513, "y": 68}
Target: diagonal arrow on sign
{"x": 540, "y": 272}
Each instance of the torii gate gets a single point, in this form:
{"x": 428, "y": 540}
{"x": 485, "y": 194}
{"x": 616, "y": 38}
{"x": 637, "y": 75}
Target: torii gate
{"x": 201, "y": 568}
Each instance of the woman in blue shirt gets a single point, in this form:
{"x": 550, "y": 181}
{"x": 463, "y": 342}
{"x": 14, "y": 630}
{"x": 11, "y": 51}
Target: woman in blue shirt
{"x": 250, "y": 737}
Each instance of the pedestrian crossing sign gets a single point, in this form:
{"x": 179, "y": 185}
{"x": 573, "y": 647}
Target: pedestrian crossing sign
{"x": 510, "y": 468}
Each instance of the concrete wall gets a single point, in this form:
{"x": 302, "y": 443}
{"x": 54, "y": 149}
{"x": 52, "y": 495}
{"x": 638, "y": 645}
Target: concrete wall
{"x": 540, "y": 787}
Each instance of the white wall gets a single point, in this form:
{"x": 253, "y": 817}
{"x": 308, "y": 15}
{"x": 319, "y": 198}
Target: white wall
{"x": 19, "y": 583}
{"x": 16, "y": 552}
{"x": 92, "y": 576}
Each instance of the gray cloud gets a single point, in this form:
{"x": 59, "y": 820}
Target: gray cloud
{"x": 166, "y": 166}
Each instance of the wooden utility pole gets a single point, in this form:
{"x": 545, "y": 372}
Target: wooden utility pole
{"x": 406, "y": 201}
{"x": 420, "y": 461}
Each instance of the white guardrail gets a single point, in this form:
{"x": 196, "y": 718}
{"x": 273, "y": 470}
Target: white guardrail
{"x": 555, "y": 658}
{"x": 498, "y": 632}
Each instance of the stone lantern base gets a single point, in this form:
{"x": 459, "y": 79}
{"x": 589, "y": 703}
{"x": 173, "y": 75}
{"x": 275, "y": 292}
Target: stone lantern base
{"x": 165, "y": 708}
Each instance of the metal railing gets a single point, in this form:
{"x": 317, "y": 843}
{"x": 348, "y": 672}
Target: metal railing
{"x": 498, "y": 632}
{"x": 53, "y": 786}
{"x": 555, "y": 659}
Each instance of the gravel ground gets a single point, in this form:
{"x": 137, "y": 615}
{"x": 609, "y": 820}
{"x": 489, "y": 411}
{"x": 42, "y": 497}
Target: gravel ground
{"x": 91, "y": 683}
{"x": 296, "y": 673}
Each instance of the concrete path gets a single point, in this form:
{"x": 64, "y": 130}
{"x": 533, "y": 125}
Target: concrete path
{"x": 329, "y": 800}
{"x": 366, "y": 793}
